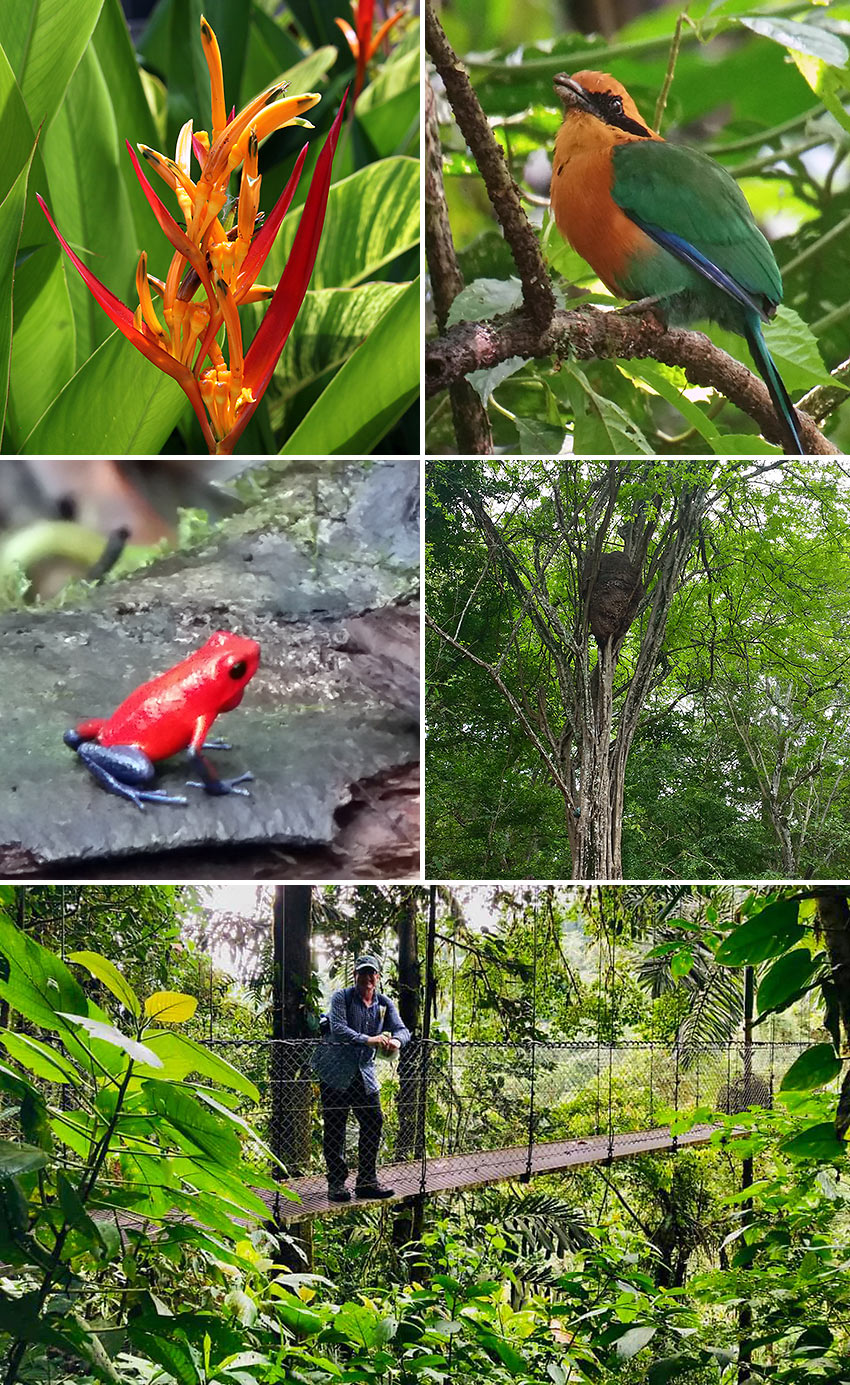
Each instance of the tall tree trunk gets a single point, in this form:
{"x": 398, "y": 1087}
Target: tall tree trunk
{"x": 745, "y": 1313}
{"x": 409, "y": 1004}
{"x": 834, "y": 923}
{"x": 291, "y": 1081}
{"x": 597, "y": 856}
{"x": 291, "y": 1077}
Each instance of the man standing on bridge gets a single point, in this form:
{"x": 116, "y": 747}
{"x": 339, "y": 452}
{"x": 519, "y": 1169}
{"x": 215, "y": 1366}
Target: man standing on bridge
{"x": 362, "y": 1022}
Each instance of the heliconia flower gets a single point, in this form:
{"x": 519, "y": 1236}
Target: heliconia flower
{"x": 362, "y": 42}
{"x": 221, "y": 263}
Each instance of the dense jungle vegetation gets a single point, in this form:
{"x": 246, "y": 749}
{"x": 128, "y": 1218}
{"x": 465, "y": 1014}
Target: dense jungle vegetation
{"x": 702, "y": 733}
{"x": 134, "y": 1246}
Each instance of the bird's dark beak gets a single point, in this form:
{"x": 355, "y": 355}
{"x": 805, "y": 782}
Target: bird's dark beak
{"x": 571, "y": 92}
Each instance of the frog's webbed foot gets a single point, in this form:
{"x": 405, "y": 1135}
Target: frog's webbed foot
{"x": 222, "y": 786}
{"x": 124, "y": 770}
{"x": 210, "y": 782}
{"x": 216, "y": 745}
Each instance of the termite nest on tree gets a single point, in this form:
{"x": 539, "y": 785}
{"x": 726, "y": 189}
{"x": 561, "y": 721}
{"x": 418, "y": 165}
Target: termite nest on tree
{"x": 614, "y": 597}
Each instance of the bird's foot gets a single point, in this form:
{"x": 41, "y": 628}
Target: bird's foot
{"x": 642, "y": 306}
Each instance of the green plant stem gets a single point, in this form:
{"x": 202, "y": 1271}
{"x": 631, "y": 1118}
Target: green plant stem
{"x": 675, "y": 45}
{"x": 19, "y": 1345}
{"x": 761, "y": 136}
{"x": 816, "y": 246}
{"x": 775, "y": 156}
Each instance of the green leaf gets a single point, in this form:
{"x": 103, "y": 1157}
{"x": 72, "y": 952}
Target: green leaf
{"x": 44, "y": 41}
{"x": 765, "y": 935}
{"x": 361, "y": 1324}
{"x": 827, "y": 84}
{"x": 670, "y": 1368}
{"x": 814, "y": 1068}
{"x": 181, "y": 1056}
{"x": 106, "y": 972}
{"x": 16, "y": 1085}
{"x": 485, "y": 382}
{"x": 195, "y": 1123}
{"x": 484, "y": 298}
{"x": 35, "y": 983}
{"x": 786, "y": 979}
{"x": 213, "y": 1179}
{"x": 242, "y": 1124}
{"x": 76, "y": 1130}
{"x": 11, "y": 222}
{"x": 88, "y": 198}
{"x": 536, "y": 438}
{"x": 500, "y": 1350}
{"x": 75, "y": 1213}
{"x": 18, "y": 1158}
{"x": 800, "y": 38}
{"x": 388, "y": 111}
{"x": 633, "y": 1341}
{"x": 39, "y": 1058}
{"x": 177, "y": 1358}
{"x": 794, "y": 348}
{"x": 117, "y": 402}
{"x": 659, "y": 379}
{"x": 379, "y": 208}
{"x": 817, "y": 1142}
{"x": 331, "y": 325}
{"x": 108, "y": 1034}
{"x": 371, "y": 391}
{"x": 600, "y": 424}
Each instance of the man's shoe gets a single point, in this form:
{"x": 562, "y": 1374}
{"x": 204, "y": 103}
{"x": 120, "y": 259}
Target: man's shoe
{"x": 373, "y": 1190}
{"x": 338, "y": 1193}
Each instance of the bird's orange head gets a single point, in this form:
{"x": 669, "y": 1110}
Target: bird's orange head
{"x": 598, "y": 111}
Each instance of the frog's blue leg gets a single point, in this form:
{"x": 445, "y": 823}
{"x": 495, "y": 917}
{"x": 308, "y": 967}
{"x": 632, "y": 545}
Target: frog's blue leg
{"x": 120, "y": 769}
{"x": 216, "y": 745}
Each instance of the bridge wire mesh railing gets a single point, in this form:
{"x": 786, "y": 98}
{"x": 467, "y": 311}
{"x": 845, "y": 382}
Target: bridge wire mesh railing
{"x": 500, "y": 1102}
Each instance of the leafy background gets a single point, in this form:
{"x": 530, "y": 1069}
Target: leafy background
{"x": 758, "y": 87}
{"x": 72, "y": 90}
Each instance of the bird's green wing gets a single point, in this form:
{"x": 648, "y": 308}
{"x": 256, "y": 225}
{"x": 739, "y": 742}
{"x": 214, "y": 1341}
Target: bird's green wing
{"x": 691, "y": 199}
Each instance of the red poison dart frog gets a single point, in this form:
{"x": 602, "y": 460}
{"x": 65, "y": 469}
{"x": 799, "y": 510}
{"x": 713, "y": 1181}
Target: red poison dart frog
{"x": 172, "y": 712}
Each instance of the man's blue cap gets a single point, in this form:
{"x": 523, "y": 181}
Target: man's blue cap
{"x": 367, "y": 961}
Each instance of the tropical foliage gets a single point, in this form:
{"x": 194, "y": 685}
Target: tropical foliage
{"x": 704, "y": 1266}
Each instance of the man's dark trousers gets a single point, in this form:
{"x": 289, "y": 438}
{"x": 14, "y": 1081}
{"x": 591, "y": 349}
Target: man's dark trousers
{"x": 366, "y": 1107}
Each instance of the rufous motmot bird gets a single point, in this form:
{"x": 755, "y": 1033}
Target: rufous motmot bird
{"x": 662, "y": 222}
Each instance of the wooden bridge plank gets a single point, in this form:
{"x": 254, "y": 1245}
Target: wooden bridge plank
{"x": 452, "y": 1172}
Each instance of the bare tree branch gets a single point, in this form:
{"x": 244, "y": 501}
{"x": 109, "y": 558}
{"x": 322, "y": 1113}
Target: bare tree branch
{"x": 472, "y": 426}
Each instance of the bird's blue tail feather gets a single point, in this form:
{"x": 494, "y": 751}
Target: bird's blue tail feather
{"x": 773, "y": 380}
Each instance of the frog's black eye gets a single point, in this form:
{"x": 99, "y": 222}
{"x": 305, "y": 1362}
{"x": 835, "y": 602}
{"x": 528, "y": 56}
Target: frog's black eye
{"x": 238, "y": 670}
{"x": 615, "y": 105}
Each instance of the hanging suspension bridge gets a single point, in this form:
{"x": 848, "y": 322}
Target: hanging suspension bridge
{"x": 460, "y": 1115}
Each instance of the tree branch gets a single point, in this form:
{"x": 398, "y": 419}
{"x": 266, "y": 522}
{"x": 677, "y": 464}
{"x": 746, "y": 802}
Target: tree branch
{"x": 590, "y": 334}
{"x": 513, "y": 703}
{"x": 472, "y": 426}
{"x": 492, "y": 165}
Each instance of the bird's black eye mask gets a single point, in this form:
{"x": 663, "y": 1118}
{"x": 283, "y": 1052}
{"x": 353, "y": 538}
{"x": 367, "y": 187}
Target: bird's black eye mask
{"x": 608, "y": 106}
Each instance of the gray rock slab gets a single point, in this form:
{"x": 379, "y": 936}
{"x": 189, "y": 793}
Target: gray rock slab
{"x": 322, "y": 546}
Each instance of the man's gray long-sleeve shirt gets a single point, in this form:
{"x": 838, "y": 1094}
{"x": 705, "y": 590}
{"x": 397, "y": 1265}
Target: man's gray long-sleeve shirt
{"x": 348, "y": 1040}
